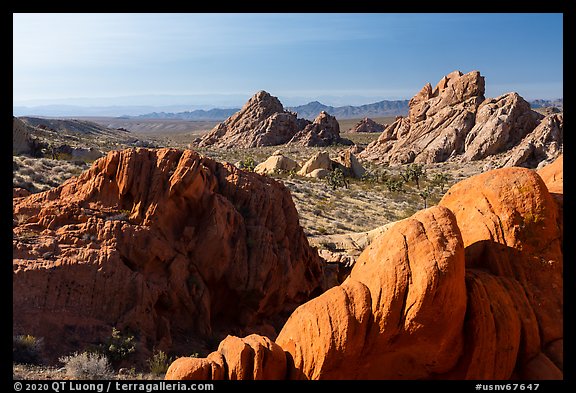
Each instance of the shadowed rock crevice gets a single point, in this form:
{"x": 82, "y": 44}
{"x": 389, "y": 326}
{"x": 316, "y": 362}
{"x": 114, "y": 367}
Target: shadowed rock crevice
{"x": 469, "y": 289}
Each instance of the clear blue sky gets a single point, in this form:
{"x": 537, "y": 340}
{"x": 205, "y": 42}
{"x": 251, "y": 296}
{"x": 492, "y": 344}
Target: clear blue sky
{"x": 358, "y": 58}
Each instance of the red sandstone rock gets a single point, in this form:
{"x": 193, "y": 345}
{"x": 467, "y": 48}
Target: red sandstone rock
{"x": 251, "y": 358}
{"x": 510, "y": 227}
{"x": 158, "y": 242}
{"x": 553, "y": 175}
{"x": 409, "y": 310}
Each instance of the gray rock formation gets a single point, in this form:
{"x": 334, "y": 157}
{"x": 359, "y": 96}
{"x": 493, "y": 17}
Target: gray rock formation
{"x": 262, "y": 121}
{"x": 367, "y": 125}
{"x": 324, "y": 131}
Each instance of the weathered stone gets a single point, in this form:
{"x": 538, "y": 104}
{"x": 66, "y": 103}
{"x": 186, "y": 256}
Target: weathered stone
{"x": 324, "y": 131}
{"x": 157, "y": 242}
{"x": 367, "y": 125}
{"x": 262, "y": 121}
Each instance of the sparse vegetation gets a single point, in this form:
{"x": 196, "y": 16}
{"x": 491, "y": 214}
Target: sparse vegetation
{"x": 119, "y": 345}
{"x": 41, "y": 174}
{"x": 425, "y": 194}
{"x": 27, "y": 349}
{"x": 336, "y": 179}
{"x": 122, "y": 215}
{"x": 395, "y": 184}
{"x": 87, "y": 365}
{"x": 414, "y": 172}
{"x": 159, "y": 363}
{"x": 440, "y": 180}
{"x": 248, "y": 164}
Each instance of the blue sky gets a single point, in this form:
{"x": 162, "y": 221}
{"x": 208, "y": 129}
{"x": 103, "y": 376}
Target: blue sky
{"x": 336, "y": 58}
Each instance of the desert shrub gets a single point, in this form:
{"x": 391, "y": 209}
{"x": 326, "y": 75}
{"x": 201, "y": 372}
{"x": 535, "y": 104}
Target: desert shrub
{"x": 159, "y": 363}
{"x": 369, "y": 177}
{"x": 122, "y": 215}
{"x": 415, "y": 173}
{"x": 248, "y": 164}
{"x": 394, "y": 184}
{"x": 336, "y": 179}
{"x": 425, "y": 194}
{"x": 440, "y": 180}
{"x": 87, "y": 365}
{"x": 27, "y": 349}
{"x": 119, "y": 346}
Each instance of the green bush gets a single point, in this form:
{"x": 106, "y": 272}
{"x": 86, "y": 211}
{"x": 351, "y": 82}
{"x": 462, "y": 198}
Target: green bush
{"x": 440, "y": 180}
{"x": 87, "y": 366}
{"x": 119, "y": 346}
{"x": 394, "y": 184}
{"x": 26, "y": 349}
{"x": 415, "y": 173}
{"x": 159, "y": 363}
{"x": 425, "y": 194}
{"x": 248, "y": 164}
{"x": 336, "y": 179}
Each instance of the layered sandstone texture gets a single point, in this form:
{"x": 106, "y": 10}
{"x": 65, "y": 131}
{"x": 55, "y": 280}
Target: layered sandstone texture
{"x": 166, "y": 244}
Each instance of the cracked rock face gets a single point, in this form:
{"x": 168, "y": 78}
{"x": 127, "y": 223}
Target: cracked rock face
{"x": 159, "y": 243}
{"x": 323, "y": 131}
{"x": 468, "y": 289}
{"x": 262, "y": 121}
{"x": 453, "y": 121}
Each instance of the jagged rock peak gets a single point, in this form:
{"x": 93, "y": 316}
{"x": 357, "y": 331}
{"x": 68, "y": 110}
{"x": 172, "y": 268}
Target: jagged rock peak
{"x": 262, "y": 121}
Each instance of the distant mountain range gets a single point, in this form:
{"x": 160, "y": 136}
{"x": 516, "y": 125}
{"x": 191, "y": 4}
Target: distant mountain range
{"x": 312, "y": 109}
{"x": 559, "y": 103}
{"x": 308, "y": 111}
{"x": 199, "y": 114}
{"x": 377, "y": 109}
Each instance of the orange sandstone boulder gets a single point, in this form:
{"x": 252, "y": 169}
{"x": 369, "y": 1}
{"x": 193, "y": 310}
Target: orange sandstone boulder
{"x": 509, "y": 225}
{"x": 469, "y": 289}
{"x": 251, "y": 358}
{"x": 553, "y": 175}
{"x": 157, "y": 242}
{"x": 398, "y": 316}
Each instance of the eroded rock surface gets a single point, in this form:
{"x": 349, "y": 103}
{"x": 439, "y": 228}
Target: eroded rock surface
{"x": 453, "y": 121}
{"x": 468, "y": 289}
{"x": 157, "y": 242}
{"x": 262, "y": 121}
{"x": 324, "y": 131}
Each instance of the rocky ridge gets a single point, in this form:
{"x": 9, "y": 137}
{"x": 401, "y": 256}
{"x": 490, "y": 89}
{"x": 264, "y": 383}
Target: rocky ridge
{"x": 367, "y": 125}
{"x": 324, "y": 131}
{"x": 454, "y": 121}
{"x": 262, "y": 121}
